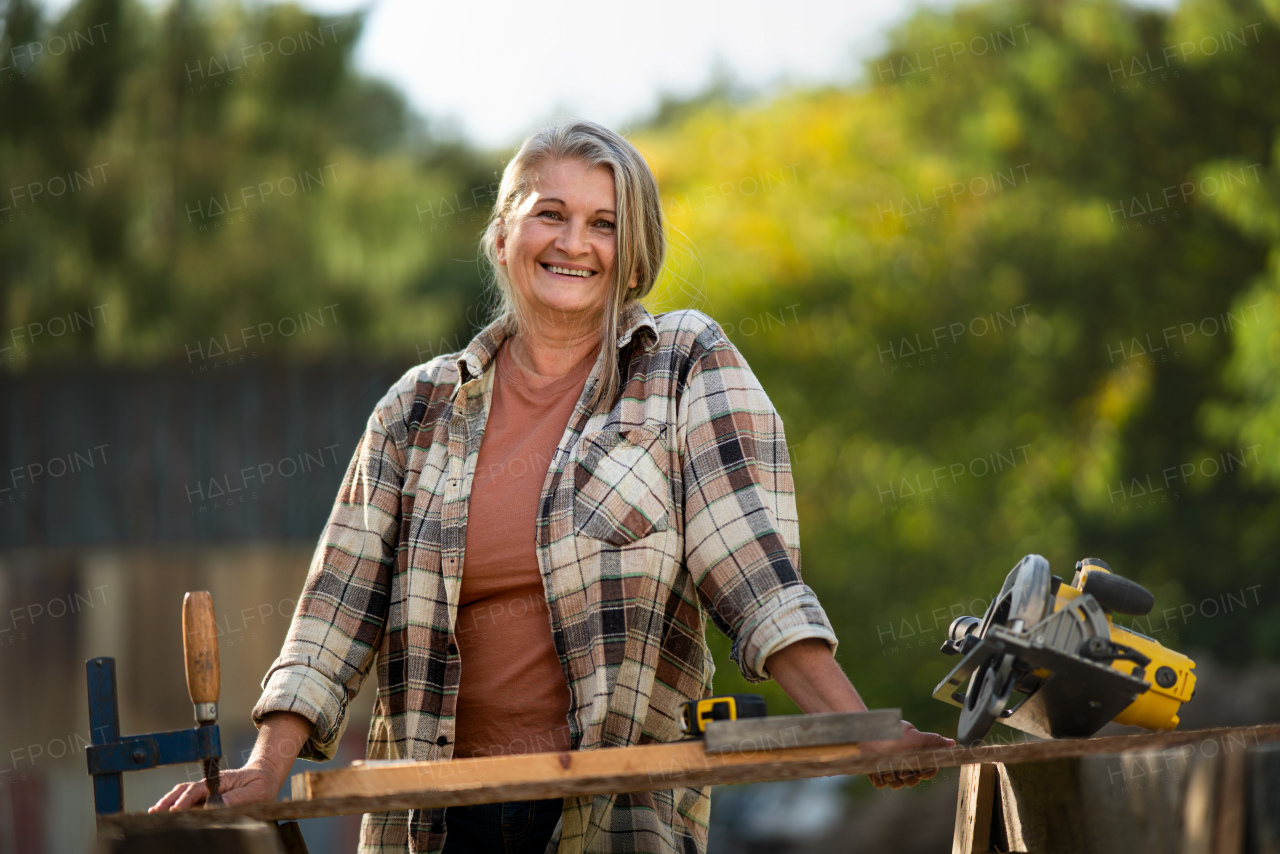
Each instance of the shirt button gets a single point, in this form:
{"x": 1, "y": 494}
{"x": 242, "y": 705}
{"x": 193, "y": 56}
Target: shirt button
{"x": 442, "y": 740}
{"x": 453, "y": 649}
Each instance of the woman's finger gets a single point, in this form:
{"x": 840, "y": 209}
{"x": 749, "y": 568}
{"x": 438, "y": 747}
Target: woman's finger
{"x": 891, "y": 779}
{"x": 193, "y": 796}
{"x": 169, "y": 799}
{"x": 884, "y": 778}
{"x": 922, "y": 775}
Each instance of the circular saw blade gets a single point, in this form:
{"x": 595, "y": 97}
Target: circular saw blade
{"x": 984, "y": 701}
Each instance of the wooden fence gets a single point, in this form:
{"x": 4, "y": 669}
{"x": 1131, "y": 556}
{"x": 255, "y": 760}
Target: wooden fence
{"x": 249, "y": 452}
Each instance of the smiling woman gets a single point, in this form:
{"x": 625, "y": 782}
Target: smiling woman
{"x": 534, "y": 531}
{"x": 616, "y": 216}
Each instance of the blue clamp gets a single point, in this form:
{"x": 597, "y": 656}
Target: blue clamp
{"x": 111, "y": 755}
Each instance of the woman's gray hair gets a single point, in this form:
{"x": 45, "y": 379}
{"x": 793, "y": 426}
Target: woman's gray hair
{"x": 641, "y": 243}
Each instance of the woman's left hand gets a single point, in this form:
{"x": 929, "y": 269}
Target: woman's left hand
{"x": 912, "y": 739}
{"x": 810, "y": 675}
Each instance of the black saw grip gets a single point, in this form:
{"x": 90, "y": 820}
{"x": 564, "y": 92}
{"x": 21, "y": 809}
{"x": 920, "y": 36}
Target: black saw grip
{"x": 1119, "y": 595}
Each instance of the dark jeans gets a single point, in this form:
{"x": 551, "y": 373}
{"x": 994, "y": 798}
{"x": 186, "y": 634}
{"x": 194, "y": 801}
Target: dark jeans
{"x": 516, "y": 827}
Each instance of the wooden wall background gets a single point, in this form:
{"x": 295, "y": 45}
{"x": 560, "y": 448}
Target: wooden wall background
{"x": 95, "y": 560}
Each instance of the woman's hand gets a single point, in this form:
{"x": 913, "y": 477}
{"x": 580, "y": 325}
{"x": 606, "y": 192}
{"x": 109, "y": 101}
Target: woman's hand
{"x": 912, "y": 739}
{"x": 246, "y": 785}
{"x": 809, "y": 674}
{"x": 280, "y": 740}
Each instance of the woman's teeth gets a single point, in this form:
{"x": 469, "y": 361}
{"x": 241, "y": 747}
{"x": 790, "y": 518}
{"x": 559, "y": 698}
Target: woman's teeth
{"x": 565, "y": 271}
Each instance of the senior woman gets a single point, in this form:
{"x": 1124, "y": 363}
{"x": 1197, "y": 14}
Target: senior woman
{"x": 533, "y": 531}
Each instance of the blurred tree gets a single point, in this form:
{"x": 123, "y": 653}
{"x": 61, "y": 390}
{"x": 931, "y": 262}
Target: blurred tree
{"x": 211, "y": 168}
{"x": 992, "y": 294}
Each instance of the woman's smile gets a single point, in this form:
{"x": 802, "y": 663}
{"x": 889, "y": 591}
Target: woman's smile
{"x": 565, "y": 270}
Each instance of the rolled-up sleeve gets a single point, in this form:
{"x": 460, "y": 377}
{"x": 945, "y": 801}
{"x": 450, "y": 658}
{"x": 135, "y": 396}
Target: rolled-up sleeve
{"x": 342, "y": 611}
{"x": 742, "y": 543}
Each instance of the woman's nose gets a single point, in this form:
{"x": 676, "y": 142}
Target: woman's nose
{"x": 573, "y": 238}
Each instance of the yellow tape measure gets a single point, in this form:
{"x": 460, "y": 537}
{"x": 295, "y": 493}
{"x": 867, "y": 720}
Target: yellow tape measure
{"x": 725, "y": 707}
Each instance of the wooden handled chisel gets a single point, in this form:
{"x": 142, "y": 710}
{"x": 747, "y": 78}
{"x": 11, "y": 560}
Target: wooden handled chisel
{"x": 204, "y": 675}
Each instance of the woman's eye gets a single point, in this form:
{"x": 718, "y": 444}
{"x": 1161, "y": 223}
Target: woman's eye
{"x": 604, "y": 223}
{"x": 555, "y": 214}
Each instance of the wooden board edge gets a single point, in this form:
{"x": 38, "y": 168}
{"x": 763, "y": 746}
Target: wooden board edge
{"x": 300, "y": 787}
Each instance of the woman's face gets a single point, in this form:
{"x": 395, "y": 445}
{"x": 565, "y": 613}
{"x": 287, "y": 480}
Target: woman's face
{"x": 561, "y": 243}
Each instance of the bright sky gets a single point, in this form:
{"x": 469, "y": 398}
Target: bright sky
{"x": 495, "y": 69}
{"x": 499, "y": 68}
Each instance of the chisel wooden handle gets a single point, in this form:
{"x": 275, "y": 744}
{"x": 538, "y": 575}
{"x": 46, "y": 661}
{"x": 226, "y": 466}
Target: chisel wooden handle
{"x": 200, "y": 647}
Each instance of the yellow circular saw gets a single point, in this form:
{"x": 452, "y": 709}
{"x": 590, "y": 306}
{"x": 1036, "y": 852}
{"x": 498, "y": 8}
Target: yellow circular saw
{"x": 1052, "y": 650}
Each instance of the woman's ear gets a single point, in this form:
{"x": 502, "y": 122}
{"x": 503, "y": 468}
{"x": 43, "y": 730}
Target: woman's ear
{"x": 500, "y": 243}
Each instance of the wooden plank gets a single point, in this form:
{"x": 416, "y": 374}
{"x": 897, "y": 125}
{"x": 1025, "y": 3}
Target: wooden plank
{"x": 1230, "y": 814}
{"x": 1200, "y": 776}
{"x": 771, "y": 733}
{"x": 1264, "y": 800}
{"x": 378, "y": 786}
{"x": 1039, "y": 807}
{"x": 235, "y": 835}
{"x": 588, "y": 772}
{"x": 1011, "y": 829}
{"x": 974, "y": 805}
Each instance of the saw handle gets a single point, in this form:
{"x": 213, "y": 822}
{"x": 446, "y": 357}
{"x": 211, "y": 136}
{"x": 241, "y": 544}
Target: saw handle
{"x": 200, "y": 649}
{"x": 1118, "y": 594}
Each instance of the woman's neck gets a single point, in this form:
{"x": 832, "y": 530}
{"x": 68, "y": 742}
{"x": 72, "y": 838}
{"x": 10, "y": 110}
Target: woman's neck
{"x": 545, "y": 358}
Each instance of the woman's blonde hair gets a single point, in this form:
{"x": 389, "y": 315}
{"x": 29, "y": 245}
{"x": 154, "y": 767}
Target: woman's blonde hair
{"x": 641, "y": 244}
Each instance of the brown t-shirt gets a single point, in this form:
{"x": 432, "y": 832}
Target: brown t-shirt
{"x": 512, "y": 696}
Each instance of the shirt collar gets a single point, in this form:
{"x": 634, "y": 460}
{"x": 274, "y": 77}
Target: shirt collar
{"x": 633, "y": 318}
{"x": 478, "y": 355}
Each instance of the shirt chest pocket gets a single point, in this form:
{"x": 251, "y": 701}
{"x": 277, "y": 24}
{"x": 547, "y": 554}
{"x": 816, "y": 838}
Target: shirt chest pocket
{"x": 620, "y": 487}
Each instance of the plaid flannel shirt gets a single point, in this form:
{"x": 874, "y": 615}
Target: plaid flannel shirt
{"x": 675, "y": 505}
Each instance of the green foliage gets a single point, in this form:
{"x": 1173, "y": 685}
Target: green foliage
{"x": 226, "y": 168}
{"x": 1019, "y": 291}
{"x": 972, "y": 304}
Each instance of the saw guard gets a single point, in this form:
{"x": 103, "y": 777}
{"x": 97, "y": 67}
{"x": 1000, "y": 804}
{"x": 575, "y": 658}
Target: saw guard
{"x": 1023, "y": 596}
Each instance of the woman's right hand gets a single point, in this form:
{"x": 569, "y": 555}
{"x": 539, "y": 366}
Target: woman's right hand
{"x": 247, "y": 785}
{"x": 280, "y": 740}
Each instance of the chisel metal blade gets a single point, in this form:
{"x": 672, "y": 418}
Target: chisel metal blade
{"x": 213, "y": 781}
{"x": 783, "y": 731}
